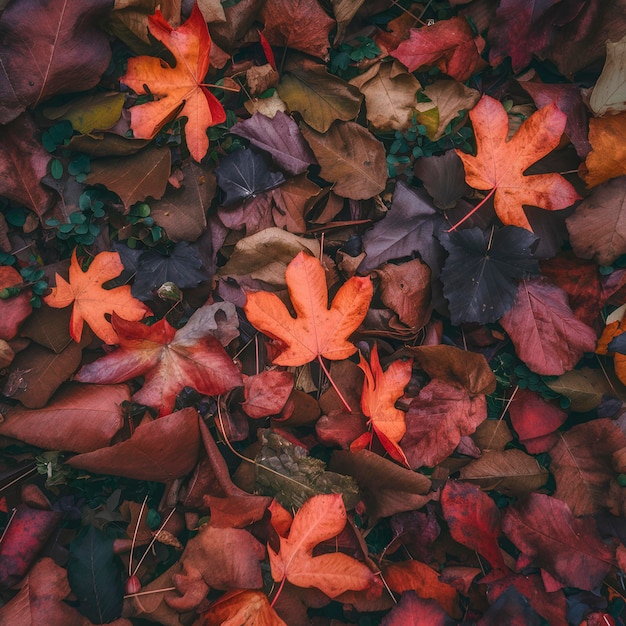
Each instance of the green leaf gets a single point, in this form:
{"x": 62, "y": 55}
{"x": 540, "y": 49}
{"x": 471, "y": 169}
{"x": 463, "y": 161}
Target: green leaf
{"x": 94, "y": 574}
{"x": 56, "y": 169}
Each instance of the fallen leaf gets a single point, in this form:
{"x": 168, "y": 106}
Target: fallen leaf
{"x": 412, "y": 610}
{"x": 387, "y": 488}
{"x": 94, "y": 411}
{"x": 451, "y": 45}
{"x": 190, "y": 584}
{"x": 544, "y": 331}
{"x": 89, "y": 113}
{"x": 584, "y": 387}
{"x": 437, "y": 419}
{"x": 582, "y": 465}
{"x": 169, "y": 360}
{"x": 24, "y": 537}
{"x": 344, "y": 11}
{"x": 482, "y": 269}
{"x": 91, "y": 301}
{"x": 511, "y": 608}
{"x": 67, "y": 64}
{"x": 280, "y": 137}
{"x": 301, "y": 25}
{"x": 443, "y": 178}
{"x": 13, "y": 310}
{"x": 609, "y": 93}
{"x": 320, "y": 518}
{"x": 292, "y": 201}
{"x": 134, "y": 178}
{"x": 597, "y": 227}
{"x": 179, "y": 89}
{"x": 351, "y": 158}
{"x": 474, "y": 520}
{"x": 243, "y": 174}
{"x": 549, "y": 536}
{"x": 318, "y": 96}
{"x": 499, "y": 165}
{"x": 316, "y": 331}
{"x": 381, "y": 390}
{"x": 242, "y": 607}
{"x": 390, "y": 96}
{"x": 266, "y": 393}
{"x": 606, "y": 160}
{"x": 160, "y": 450}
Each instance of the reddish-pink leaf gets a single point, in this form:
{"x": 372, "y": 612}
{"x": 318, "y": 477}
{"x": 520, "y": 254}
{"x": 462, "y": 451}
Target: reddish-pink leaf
{"x": 450, "y": 44}
{"x": 474, "y": 520}
{"x": 23, "y": 539}
{"x": 168, "y": 359}
{"x": 266, "y": 393}
{"x": 550, "y": 537}
{"x": 544, "y": 331}
{"x": 436, "y": 421}
{"x": 535, "y": 420}
{"x": 415, "y": 611}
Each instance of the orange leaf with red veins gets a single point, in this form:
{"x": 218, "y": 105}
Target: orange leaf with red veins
{"x": 499, "y": 165}
{"x": 451, "y": 45}
{"x": 317, "y": 330}
{"x": 169, "y": 359}
{"x": 177, "y": 90}
{"x": 320, "y": 518}
{"x": 91, "y": 301}
{"x": 242, "y": 606}
{"x": 380, "y": 392}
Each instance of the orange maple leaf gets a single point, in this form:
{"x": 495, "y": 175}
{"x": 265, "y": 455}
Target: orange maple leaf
{"x": 242, "y": 606}
{"x": 380, "y": 392}
{"x": 317, "y": 331}
{"x": 499, "y": 164}
{"x": 178, "y": 90}
{"x": 91, "y": 301}
{"x": 321, "y": 517}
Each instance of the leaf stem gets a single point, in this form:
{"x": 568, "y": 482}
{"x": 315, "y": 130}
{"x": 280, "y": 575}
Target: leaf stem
{"x": 282, "y": 584}
{"x": 332, "y": 382}
{"x": 483, "y": 201}
{"x": 145, "y": 593}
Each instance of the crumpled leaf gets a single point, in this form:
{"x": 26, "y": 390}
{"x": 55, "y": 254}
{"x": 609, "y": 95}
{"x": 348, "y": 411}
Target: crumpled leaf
{"x": 436, "y": 420}
{"x": 482, "y": 269}
{"x": 609, "y": 93}
{"x": 351, "y": 158}
{"x": 94, "y": 574}
{"x": 582, "y": 464}
{"x": 451, "y": 45}
{"x": 550, "y": 537}
{"x": 500, "y": 164}
{"x": 390, "y": 96}
{"x": 381, "y": 390}
{"x": 474, "y": 520}
{"x": 91, "y": 301}
{"x": 316, "y": 331}
{"x": 544, "y": 331}
{"x": 69, "y": 63}
{"x": 607, "y": 158}
{"x": 23, "y": 163}
{"x": 298, "y": 24}
{"x": 248, "y": 607}
{"x": 288, "y": 473}
{"x": 168, "y": 359}
{"x": 243, "y": 174}
{"x": 92, "y": 410}
{"x": 23, "y": 539}
{"x": 178, "y": 89}
{"x": 597, "y": 227}
{"x": 135, "y": 177}
{"x": 409, "y": 226}
{"x": 191, "y": 585}
{"x": 320, "y": 97}
{"x": 160, "y": 450}
{"x": 387, "y": 488}
{"x": 281, "y": 137}
{"x": 321, "y": 517}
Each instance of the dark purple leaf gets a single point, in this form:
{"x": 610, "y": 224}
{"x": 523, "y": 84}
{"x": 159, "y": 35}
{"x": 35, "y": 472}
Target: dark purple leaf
{"x": 443, "y": 177}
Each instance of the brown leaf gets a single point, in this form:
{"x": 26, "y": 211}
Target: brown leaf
{"x": 135, "y": 177}
{"x": 606, "y": 160}
{"x": 93, "y": 411}
{"x": 14, "y": 310}
{"x": 436, "y": 421}
{"x": 351, "y": 158}
{"x": 235, "y": 511}
{"x": 160, "y": 450}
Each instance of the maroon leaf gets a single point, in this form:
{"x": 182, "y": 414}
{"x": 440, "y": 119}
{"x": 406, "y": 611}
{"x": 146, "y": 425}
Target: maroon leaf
{"x": 474, "y": 520}
{"x": 550, "y": 537}
{"x": 544, "y": 331}
{"x": 266, "y": 393}
{"x": 436, "y": 421}
{"x": 13, "y": 311}
{"x": 60, "y": 43}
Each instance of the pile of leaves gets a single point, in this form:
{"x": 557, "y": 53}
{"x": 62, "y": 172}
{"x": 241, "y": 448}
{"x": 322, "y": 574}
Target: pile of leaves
{"x": 312, "y": 312}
